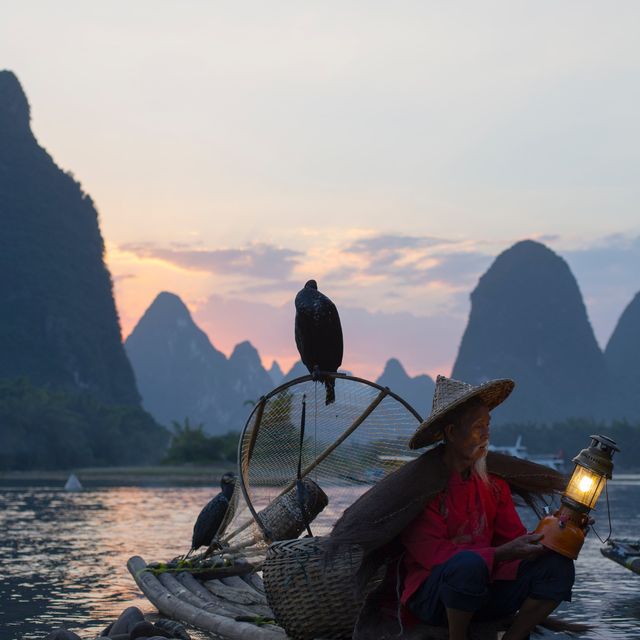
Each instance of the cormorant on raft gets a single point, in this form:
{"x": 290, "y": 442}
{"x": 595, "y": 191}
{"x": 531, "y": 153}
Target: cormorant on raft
{"x": 318, "y": 335}
{"x": 212, "y": 516}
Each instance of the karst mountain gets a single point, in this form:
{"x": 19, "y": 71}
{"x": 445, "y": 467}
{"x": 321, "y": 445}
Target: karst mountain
{"x": 622, "y": 356}
{"x": 59, "y": 326}
{"x": 528, "y": 322}
{"x": 182, "y": 375}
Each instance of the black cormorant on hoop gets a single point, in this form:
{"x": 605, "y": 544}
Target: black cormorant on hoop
{"x": 318, "y": 335}
{"x": 211, "y": 517}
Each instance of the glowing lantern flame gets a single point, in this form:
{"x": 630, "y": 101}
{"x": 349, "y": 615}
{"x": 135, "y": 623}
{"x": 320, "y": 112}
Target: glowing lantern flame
{"x": 585, "y": 484}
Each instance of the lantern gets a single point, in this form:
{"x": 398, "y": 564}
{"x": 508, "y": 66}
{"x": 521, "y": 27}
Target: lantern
{"x": 564, "y": 531}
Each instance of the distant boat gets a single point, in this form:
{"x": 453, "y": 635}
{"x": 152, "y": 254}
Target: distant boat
{"x": 518, "y": 450}
{"x": 73, "y": 484}
{"x": 624, "y": 552}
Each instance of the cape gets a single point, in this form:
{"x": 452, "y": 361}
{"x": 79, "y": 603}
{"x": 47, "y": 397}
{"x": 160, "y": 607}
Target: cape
{"x": 377, "y": 518}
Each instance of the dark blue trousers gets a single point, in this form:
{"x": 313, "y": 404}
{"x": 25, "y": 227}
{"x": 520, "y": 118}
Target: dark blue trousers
{"x": 463, "y": 583}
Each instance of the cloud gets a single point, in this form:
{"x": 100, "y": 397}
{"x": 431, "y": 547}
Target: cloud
{"x": 259, "y": 260}
{"x": 262, "y": 288}
{"x": 415, "y": 308}
{"x": 123, "y": 276}
{"x": 412, "y": 261}
{"x": 546, "y": 238}
{"x": 401, "y": 256}
{"x": 387, "y": 243}
{"x": 385, "y": 273}
{"x": 360, "y": 270}
{"x": 462, "y": 268}
{"x": 340, "y": 274}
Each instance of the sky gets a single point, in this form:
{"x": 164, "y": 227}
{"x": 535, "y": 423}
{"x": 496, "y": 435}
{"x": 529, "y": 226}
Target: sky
{"x": 389, "y": 150}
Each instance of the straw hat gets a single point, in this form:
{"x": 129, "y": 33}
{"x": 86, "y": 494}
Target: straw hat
{"x": 450, "y": 394}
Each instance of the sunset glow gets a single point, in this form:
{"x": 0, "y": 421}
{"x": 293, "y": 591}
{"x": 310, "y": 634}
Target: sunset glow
{"x": 391, "y": 155}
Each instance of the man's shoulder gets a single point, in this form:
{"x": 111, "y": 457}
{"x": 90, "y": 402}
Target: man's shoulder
{"x": 498, "y": 482}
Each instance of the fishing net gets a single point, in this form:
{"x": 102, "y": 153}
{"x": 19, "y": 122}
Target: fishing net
{"x": 343, "y": 448}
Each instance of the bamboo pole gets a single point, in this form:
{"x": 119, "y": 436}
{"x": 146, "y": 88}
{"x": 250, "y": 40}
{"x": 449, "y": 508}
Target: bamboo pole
{"x": 224, "y": 607}
{"x": 174, "y": 586}
{"x": 237, "y": 596}
{"x": 254, "y": 580}
{"x": 332, "y": 447}
{"x": 327, "y": 452}
{"x": 170, "y": 605}
{"x": 254, "y": 435}
{"x": 237, "y": 582}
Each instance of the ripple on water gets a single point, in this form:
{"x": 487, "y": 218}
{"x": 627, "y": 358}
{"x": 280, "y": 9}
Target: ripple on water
{"x": 64, "y": 557}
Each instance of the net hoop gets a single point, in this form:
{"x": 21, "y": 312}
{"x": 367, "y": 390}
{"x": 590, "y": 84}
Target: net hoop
{"x": 259, "y": 408}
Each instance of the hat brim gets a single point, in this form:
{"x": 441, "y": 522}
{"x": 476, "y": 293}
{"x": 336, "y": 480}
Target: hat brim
{"x": 491, "y": 393}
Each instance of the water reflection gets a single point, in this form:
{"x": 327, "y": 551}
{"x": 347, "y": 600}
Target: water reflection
{"x": 63, "y": 556}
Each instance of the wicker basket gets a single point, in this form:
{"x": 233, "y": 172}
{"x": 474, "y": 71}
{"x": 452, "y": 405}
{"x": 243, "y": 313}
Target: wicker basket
{"x": 310, "y": 598}
{"x": 282, "y": 519}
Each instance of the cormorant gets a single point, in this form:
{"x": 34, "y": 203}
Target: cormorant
{"x": 318, "y": 334}
{"x": 211, "y": 517}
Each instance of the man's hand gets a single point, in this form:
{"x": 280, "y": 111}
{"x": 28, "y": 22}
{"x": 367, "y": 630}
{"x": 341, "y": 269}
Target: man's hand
{"x": 588, "y": 526}
{"x": 526, "y": 546}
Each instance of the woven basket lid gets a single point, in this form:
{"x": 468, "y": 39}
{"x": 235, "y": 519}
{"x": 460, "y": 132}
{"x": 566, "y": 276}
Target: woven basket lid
{"x": 450, "y": 394}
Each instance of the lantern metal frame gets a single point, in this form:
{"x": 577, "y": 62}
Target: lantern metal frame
{"x": 564, "y": 531}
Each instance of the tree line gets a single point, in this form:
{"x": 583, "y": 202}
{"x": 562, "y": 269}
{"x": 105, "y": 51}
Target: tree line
{"x": 42, "y": 429}
{"x": 568, "y": 437}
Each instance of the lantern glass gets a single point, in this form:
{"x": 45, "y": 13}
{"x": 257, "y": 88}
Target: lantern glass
{"x": 585, "y": 486}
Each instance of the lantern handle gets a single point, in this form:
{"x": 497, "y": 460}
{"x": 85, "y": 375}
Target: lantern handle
{"x": 606, "y": 491}
{"x": 606, "y": 442}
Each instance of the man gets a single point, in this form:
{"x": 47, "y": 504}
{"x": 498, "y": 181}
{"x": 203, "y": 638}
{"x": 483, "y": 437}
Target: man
{"x": 447, "y": 520}
{"x": 468, "y": 555}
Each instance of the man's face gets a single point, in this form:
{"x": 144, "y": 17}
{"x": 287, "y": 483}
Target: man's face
{"x": 470, "y": 438}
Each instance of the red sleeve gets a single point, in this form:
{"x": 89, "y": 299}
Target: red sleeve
{"x": 507, "y": 525}
{"x": 427, "y": 540}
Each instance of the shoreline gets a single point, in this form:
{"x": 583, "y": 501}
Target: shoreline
{"x": 122, "y": 476}
{"x": 159, "y": 476}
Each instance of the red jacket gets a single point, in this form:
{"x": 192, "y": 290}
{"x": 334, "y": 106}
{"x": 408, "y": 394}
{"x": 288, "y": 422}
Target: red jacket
{"x": 468, "y": 516}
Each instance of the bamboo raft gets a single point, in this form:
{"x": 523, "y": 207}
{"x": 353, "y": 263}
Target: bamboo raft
{"x": 233, "y": 607}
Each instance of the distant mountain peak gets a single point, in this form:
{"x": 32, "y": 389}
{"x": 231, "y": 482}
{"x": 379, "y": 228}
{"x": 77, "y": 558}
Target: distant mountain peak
{"x": 60, "y": 326}
{"x": 275, "y": 373}
{"x": 417, "y": 391}
{"x": 180, "y": 373}
{"x": 530, "y": 245}
{"x": 170, "y": 303}
{"x": 627, "y": 330}
{"x": 15, "y": 113}
{"x": 394, "y": 367}
{"x": 623, "y": 361}
{"x": 528, "y": 322}
{"x": 244, "y": 351}
{"x": 297, "y": 371}
{"x": 166, "y": 313}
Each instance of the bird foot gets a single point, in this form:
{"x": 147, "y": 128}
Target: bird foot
{"x": 214, "y": 547}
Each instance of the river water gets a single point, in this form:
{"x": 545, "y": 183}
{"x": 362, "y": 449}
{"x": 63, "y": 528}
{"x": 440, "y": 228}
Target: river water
{"x": 63, "y": 556}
